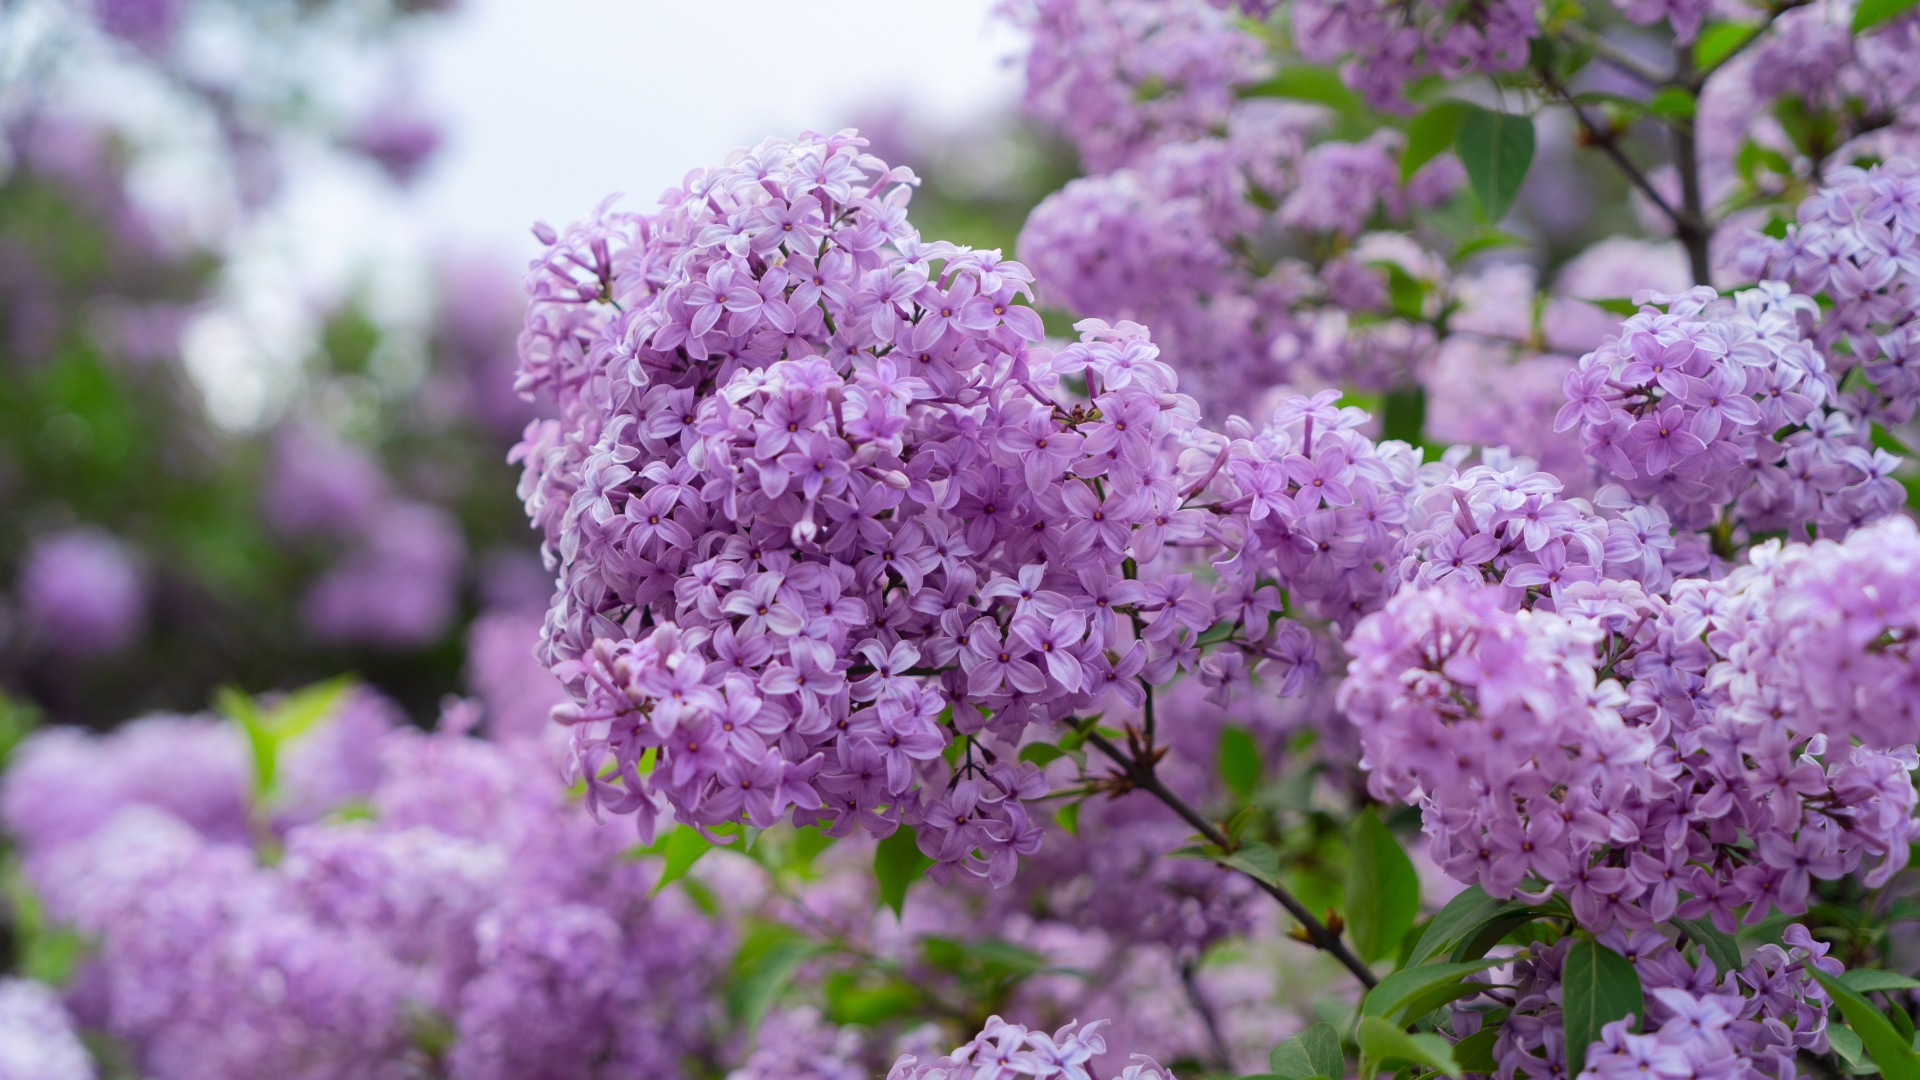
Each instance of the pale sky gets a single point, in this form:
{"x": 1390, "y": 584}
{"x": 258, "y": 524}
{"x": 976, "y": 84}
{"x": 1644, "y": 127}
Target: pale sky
{"x": 551, "y": 105}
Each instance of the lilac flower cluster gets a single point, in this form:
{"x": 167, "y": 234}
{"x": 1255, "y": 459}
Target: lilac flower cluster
{"x": 816, "y": 481}
{"x": 1122, "y": 78}
{"x": 1389, "y": 43}
{"x": 1699, "y": 1022}
{"x": 1003, "y": 1049}
{"x": 377, "y": 942}
{"x": 1857, "y": 241}
{"x": 1685, "y": 408}
{"x": 82, "y": 592}
{"x": 37, "y": 1039}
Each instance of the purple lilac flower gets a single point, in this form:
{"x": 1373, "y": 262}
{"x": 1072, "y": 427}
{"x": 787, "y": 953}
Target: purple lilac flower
{"x": 319, "y": 484}
{"x": 1391, "y": 44}
{"x": 82, "y": 592}
{"x": 37, "y": 1036}
{"x": 1003, "y": 1049}
{"x": 398, "y": 588}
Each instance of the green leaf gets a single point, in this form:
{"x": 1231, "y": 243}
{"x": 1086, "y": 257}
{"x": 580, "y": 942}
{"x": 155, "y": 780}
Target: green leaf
{"x": 1463, "y": 914}
{"x": 763, "y": 967}
{"x": 1257, "y": 860}
{"x": 683, "y": 847}
{"x": 1867, "y": 980}
{"x": 1673, "y": 103}
{"x": 1068, "y": 818}
{"x": 1598, "y": 986}
{"x": 1721, "y": 948}
{"x": 1487, "y": 240}
{"x": 268, "y": 730}
{"x": 850, "y": 1002}
{"x": 1717, "y": 41}
{"x": 1239, "y": 762}
{"x": 1430, "y": 134}
{"x": 1306, "y": 82}
{"x": 1872, "y": 13}
{"x": 1497, "y": 150}
{"x": 1399, "y": 993}
{"x": 1313, "y": 1052}
{"x": 1620, "y": 306}
{"x": 1383, "y": 892}
{"x": 1846, "y": 1046}
{"x": 897, "y": 864}
{"x": 1474, "y": 1053}
{"x": 1895, "y": 1056}
{"x": 1381, "y": 1042}
{"x": 1041, "y": 754}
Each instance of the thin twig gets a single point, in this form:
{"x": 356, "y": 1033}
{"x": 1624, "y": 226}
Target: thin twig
{"x": 1140, "y": 774}
{"x": 1614, "y": 55}
{"x": 1222, "y": 1060}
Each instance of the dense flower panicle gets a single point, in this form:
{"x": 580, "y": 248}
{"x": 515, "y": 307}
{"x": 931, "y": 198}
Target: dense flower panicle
{"x": 818, "y": 480}
{"x": 1003, "y": 1049}
{"x": 1392, "y": 43}
{"x": 1716, "y": 405}
{"x": 82, "y": 592}
{"x": 1858, "y": 242}
{"x": 370, "y": 934}
{"x": 1824, "y": 635}
{"x": 37, "y": 1036}
{"x": 1176, "y": 240}
{"x": 1122, "y": 78}
{"x": 1699, "y": 1021}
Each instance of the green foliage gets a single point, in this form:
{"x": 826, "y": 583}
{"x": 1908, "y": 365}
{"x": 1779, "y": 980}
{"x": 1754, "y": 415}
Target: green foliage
{"x": 1307, "y": 82}
{"x": 1721, "y": 948}
{"x": 897, "y": 864}
{"x": 270, "y": 727}
{"x": 1383, "y": 892}
{"x": 1313, "y": 1052}
{"x": 1431, "y": 134}
{"x": 768, "y": 957}
{"x": 1893, "y": 1054}
{"x": 1410, "y": 993}
{"x": 41, "y": 950}
{"x": 1717, "y": 41}
{"x": 1239, "y": 762}
{"x": 1497, "y": 150}
{"x": 682, "y": 846}
{"x": 1598, "y": 986}
{"x": 1382, "y": 1043}
{"x": 1872, "y": 13}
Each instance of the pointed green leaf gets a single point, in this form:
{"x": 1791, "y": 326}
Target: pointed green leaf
{"x": 1409, "y": 986}
{"x": 897, "y": 864}
{"x": 1867, "y": 980}
{"x": 1872, "y": 13}
{"x": 1721, "y": 948}
{"x": 1497, "y": 150}
{"x": 1846, "y": 1047}
{"x": 1041, "y": 754}
{"x": 1306, "y": 82}
{"x": 1313, "y": 1052}
{"x": 1068, "y": 818}
{"x": 1474, "y": 1053}
{"x": 762, "y": 970}
{"x": 1258, "y": 861}
{"x": 1895, "y": 1056}
{"x": 1673, "y": 103}
{"x": 1239, "y": 762}
{"x": 1383, "y": 892}
{"x": 1430, "y": 134}
{"x": 683, "y": 847}
{"x": 1469, "y": 908}
{"x": 1598, "y": 986}
{"x": 1716, "y": 42}
{"x": 1381, "y": 1042}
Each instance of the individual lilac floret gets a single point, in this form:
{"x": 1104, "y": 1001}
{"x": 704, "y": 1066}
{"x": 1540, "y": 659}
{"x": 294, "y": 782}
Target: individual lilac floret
{"x": 37, "y": 1036}
{"x": 82, "y": 592}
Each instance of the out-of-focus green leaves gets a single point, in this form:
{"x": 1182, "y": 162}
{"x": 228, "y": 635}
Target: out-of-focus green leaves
{"x": 854, "y": 999}
{"x": 1474, "y": 1053}
{"x": 17, "y": 719}
{"x": 42, "y": 951}
{"x": 1867, "y": 980}
{"x": 270, "y": 727}
{"x": 1872, "y": 13}
{"x": 897, "y": 864}
{"x": 1673, "y": 103}
{"x": 768, "y": 957}
{"x": 1497, "y": 150}
{"x": 1383, "y": 892}
{"x": 1598, "y": 986}
{"x": 1306, "y": 82}
{"x": 1431, "y": 134}
{"x": 1716, "y": 41}
{"x": 1239, "y": 762}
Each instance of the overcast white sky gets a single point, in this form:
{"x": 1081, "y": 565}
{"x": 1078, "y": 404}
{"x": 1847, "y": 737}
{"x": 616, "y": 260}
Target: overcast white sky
{"x": 551, "y": 105}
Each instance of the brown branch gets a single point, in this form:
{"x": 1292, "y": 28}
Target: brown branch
{"x": 1140, "y": 774}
